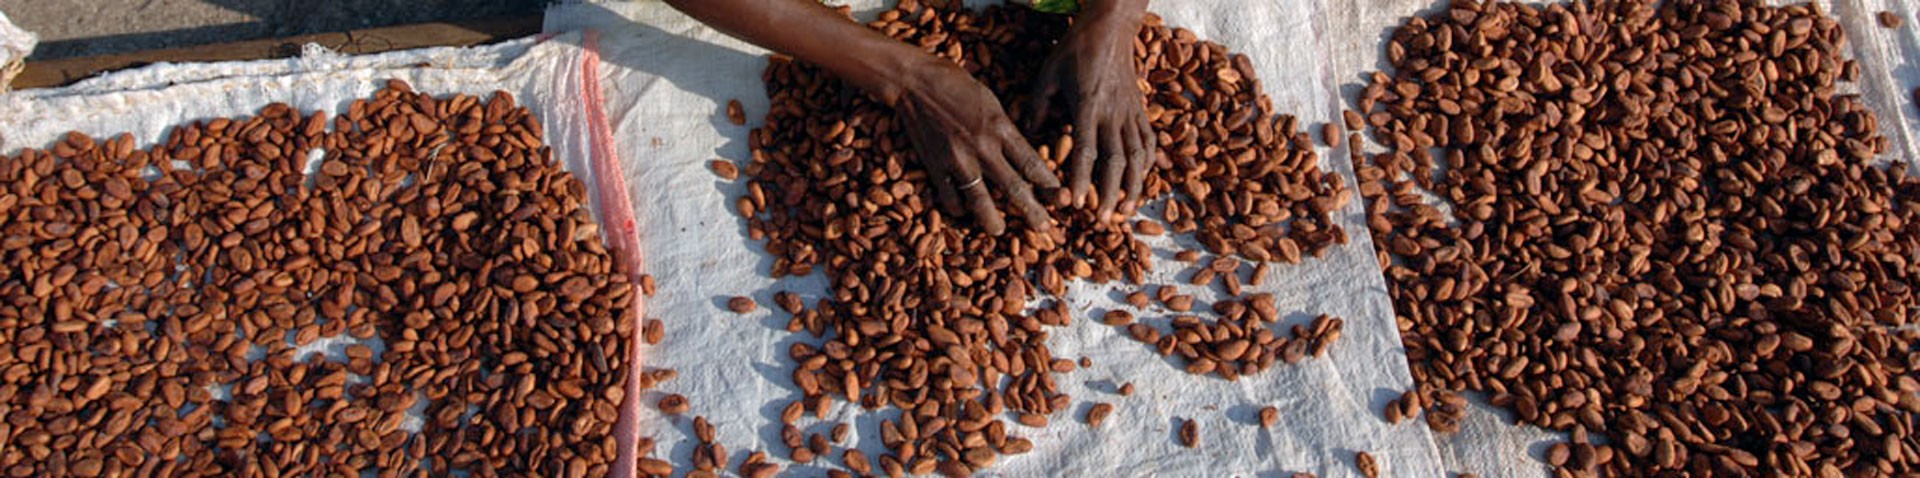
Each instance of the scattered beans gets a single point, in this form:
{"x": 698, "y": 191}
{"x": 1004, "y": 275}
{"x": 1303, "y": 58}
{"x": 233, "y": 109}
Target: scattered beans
{"x": 1671, "y": 230}
{"x": 1353, "y": 120}
{"x": 1097, "y": 414}
{"x": 654, "y": 332}
{"x": 1033, "y": 420}
{"x": 1369, "y": 467}
{"x": 1405, "y": 407}
{"x": 932, "y": 317}
{"x": 792, "y": 413}
{"x": 1558, "y": 454}
{"x": 1239, "y": 343}
{"x": 736, "y": 114}
{"x": 133, "y": 280}
{"x": 819, "y": 443}
{"x": 1269, "y": 416}
{"x": 703, "y": 429}
{"x": 709, "y": 456}
{"x": 1016, "y": 446}
{"x": 1178, "y": 303}
{"x": 1445, "y": 412}
{"x": 724, "y": 169}
{"x": 857, "y": 461}
{"x": 656, "y": 467}
{"x": 760, "y": 470}
{"x": 741, "y": 304}
{"x": 1190, "y": 433}
{"x": 1889, "y": 19}
{"x": 674, "y": 404}
{"x": 802, "y": 455}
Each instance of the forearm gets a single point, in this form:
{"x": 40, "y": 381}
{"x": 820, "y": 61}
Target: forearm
{"x": 1116, "y": 10}
{"x": 1106, "y": 7}
{"x": 1116, "y": 17}
{"x": 815, "y": 34}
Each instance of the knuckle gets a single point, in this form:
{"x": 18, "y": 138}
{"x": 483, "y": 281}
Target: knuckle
{"x": 982, "y": 143}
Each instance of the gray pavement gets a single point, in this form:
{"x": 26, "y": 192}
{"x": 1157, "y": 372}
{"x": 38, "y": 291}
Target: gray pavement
{"x": 70, "y": 28}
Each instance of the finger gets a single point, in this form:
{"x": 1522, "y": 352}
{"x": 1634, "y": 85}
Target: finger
{"x": 1113, "y": 143}
{"x": 1084, "y": 152}
{"x": 1149, "y": 138}
{"x": 943, "y": 183}
{"x": 981, "y": 205}
{"x": 973, "y": 192}
{"x": 1016, "y": 190}
{"x": 1138, "y": 151}
{"x": 1022, "y": 155}
{"x": 937, "y": 155}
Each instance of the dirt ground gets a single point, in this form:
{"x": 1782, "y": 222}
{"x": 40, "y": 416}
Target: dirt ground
{"x": 70, "y": 28}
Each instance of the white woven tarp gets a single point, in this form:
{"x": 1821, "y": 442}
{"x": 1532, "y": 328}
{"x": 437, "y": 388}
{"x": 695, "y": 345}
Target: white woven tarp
{"x": 668, "y": 79}
{"x": 550, "y": 76}
{"x": 15, "y": 45}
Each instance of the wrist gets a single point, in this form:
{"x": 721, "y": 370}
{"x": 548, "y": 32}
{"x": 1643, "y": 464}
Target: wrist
{"x": 1110, "y": 19}
{"x": 891, "y": 71}
{"x": 1118, "y": 13}
{"x": 904, "y": 74}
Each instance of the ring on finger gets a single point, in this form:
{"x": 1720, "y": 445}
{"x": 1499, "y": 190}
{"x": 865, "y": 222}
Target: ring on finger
{"x": 974, "y": 183}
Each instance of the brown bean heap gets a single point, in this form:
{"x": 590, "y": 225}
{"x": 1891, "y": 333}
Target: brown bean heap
{"x": 1249, "y": 182}
{"x": 932, "y": 317}
{"x": 1666, "y": 227}
{"x": 136, "y": 281}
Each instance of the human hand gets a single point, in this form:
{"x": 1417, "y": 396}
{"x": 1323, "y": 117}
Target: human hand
{"x": 966, "y": 141}
{"x": 1094, "y": 68}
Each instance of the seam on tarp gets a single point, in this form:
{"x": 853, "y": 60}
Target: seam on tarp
{"x": 622, "y": 234}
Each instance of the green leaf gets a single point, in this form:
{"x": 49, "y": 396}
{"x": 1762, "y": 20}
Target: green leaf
{"x": 1056, "y": 6}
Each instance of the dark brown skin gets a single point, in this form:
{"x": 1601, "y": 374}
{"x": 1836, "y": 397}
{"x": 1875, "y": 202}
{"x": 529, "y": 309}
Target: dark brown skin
{"x": 956, "y": 123}
{"x": 1094, "y": 68}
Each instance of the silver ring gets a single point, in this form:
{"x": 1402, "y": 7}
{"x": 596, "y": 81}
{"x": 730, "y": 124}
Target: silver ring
{"x": 976, "y": 182}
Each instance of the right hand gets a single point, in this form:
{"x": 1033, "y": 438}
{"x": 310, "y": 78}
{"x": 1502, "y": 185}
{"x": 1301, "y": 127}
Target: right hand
{"x": 1094, "y": 70}
{"x": 967, "y": 143}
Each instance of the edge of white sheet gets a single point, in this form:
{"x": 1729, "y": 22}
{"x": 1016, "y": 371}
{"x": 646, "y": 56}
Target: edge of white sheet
{"x": 15, "y": 45}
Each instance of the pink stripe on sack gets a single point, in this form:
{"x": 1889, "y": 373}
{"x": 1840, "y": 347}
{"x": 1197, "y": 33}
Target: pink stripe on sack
{"x": 623, "y": 238}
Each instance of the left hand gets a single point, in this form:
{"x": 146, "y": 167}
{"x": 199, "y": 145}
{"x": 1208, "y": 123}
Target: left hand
{"x": 1094, "y": 67}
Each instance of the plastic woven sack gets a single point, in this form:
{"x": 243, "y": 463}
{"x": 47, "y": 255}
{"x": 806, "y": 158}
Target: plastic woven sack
{"x": 15, "y": 45}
